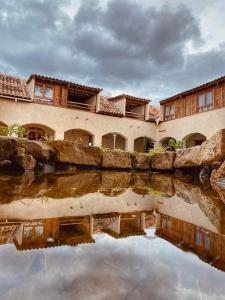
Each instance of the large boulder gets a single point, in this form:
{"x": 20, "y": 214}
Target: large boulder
{"x": 40, "y": 151}
{"x": 7, "y": 147}
{"x": 75, "y": 153}
{"x": 116, "y": 160}
{"x": 163, "y": 161}
{"x": 140, "y": 161}
{"x": 210, "y": 151}
{"x": 24, "y": 161}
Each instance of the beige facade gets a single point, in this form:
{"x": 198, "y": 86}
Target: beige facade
{"x": 60, "y": 120}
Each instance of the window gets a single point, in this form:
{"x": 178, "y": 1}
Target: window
{"x": 44, "y": 91}
{"x": 49, "y": 92}
{"x": 169, "y": 112}
{"x": 205, "y": 101}
{"x": 39, "y": 90}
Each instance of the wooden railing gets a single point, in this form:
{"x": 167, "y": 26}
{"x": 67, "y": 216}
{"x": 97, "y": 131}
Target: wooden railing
{"x": 134, "y": 115}
{"x": 78, "y": 105}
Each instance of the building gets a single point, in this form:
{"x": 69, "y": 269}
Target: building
{"x": 52, "y": 108}
{"x": 194, "y": 115}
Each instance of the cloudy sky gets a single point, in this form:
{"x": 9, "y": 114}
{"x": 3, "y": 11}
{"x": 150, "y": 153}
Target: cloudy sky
{"x": 146, "y": 48}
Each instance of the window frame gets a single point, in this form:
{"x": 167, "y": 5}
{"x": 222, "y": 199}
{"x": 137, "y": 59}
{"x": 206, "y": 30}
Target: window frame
{"x": 169, "y": 116}
{"x": 205, "y": 106}
{"x": 44, "y": 86}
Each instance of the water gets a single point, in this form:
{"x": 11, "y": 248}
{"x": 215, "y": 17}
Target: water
{"x": 109, "y": 235}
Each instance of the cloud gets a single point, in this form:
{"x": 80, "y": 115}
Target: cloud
{"x": 120, "y": 46}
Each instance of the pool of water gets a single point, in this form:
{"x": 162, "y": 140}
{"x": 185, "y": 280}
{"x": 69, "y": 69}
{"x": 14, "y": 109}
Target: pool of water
{"x": 111, "y": 235}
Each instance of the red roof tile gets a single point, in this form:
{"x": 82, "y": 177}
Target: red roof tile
{"x": 153, "y": 113}
{"x": 108, "y": 108}
{"x": 60, "y": 81}
{"x": 13, "y": 87}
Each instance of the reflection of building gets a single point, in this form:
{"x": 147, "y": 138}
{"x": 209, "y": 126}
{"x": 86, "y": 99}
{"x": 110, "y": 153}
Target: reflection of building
{"x": 53, "y": 232}
{"x": 209, "y": 246}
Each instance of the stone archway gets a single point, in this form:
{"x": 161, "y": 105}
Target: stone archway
{"x": 165, "y": 141}
{"x": 114, "y": 140}
{"x": 39, "y": 132}
{"x": 79, "y": 135}
{"x": 194, "y": 139}
{"x": 143, "y": 144}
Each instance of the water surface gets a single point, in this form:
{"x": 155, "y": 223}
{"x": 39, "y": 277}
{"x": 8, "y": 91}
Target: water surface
{"x": 109, "y": 235}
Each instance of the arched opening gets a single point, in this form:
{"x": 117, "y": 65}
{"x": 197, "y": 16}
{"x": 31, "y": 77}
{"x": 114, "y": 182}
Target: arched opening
{"x": 194, "y": 139}
{"x": 2, "y": 127}
{"x": 39, "y": 132}
{"x": 143, "y": 144}
{"x": 113, "y": 140}
{"x": 79, "y": 135}
{"x": 165, "y": 141}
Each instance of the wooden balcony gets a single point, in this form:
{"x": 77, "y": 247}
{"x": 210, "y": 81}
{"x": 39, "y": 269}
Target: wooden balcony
{"x": 134, "y": 115}
{"x": 83, "y": 106}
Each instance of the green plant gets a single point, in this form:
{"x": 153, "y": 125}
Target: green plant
{"x": 174, "y": 144}
{"x": 157, "y": 149}
{"x": 14, "y": 129}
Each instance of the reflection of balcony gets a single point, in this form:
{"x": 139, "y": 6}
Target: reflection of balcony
{"x": 134, "y": 115}
{"x": 83, "y": 106}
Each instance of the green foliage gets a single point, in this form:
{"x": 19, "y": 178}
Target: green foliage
{"x": 14, "y": 129}
{"x": 174, "y": 144}
{"x": 157, "y": 149}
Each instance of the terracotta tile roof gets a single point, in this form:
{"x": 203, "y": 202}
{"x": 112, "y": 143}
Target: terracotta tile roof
{"x": 60, "y": 81}
{"x": 108, "y": 108}
{"x": 13, "y": 87}
{"x": 131, "y": 98}
{"x": 195, "y": 89}
{"x": 153, "y": 113}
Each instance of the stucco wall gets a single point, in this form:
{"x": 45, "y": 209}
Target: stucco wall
{"x": 63, "y": 119}
{"x": 206, "y": 123}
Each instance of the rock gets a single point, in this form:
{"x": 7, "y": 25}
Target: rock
{"x": 40, "y": 151}
{"x": 6, "y": 165}
{"x": 116, "y": 160}
{"x": 24, "y": 161}
{"x": 204, "y": 174}
{"x": 163, "y": 161}
{"x": 45, "y": 168}
{"x": 7, "y": 147}
{"x": 20, "y": 151}
{"x": 218, "y": 175}
{"x": 74, "y": 153}
{"x": 140, "y": 161}
{"x": 216, "y": 165}
{"x": 210, "y": 151}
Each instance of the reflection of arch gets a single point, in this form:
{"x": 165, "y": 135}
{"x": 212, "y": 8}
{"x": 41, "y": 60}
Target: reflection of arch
{"x": 114, "y": 140}
{"x": 194, "y": 139}
{"x": 143, "y": 144}
{"x": 165, "y": 141}
{"x": 79, "y": 135}
{"x": 39, "y": 132}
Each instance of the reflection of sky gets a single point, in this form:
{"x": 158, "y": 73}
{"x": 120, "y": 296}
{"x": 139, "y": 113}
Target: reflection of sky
{"x": 131, "y": 268}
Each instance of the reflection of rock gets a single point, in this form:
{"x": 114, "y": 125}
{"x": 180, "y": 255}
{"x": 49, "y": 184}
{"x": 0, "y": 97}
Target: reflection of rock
{"x": 218, "y": 176}
{"x": 7, "y": 147}
{"x": 114, "y": 183}
{"x": 162, "y": 183}
{"x": 210, "y": 151}
{"x": 140, "y": 183}
{"x": 163, "y": 161}
{"x": 74, "y": 153}
{"x": 206, "y": 198}
{"x": 116, "y": 160}
{"x": 140, "y": 161}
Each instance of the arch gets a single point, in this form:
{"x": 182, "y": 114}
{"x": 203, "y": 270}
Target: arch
{"x": 79, "y": 135}
{"x": 143, "y": 144}
{"x": 114, "y": 140}
{"x": 39, "y": 132}
{"x": 165, "y": 141}
{"x": 194, "y": 139}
